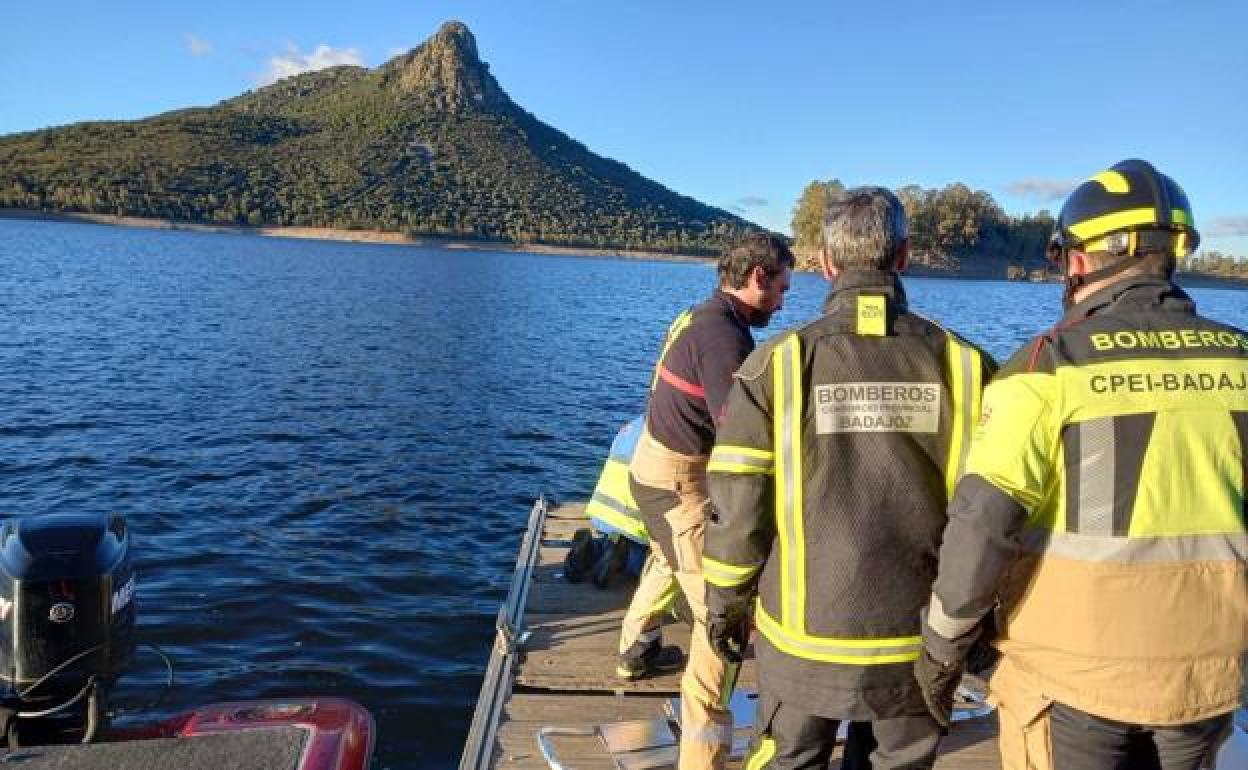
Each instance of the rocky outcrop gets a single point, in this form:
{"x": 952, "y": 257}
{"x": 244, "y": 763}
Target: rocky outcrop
{"x": 446, "y": 72}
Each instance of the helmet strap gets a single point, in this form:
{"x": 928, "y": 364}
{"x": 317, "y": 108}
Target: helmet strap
{"x": 1076, "y": 281}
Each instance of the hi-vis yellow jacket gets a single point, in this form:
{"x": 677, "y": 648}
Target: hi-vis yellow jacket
{"x": 612, "y": 507}
{"x": 1104, "y": 506}
{"x": 829, "y": 481}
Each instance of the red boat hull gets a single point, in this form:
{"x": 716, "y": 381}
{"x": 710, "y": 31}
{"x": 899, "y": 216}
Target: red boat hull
{"x": 341, "y": 732}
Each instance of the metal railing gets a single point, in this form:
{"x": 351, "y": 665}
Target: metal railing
{"x": 508, "y": 641}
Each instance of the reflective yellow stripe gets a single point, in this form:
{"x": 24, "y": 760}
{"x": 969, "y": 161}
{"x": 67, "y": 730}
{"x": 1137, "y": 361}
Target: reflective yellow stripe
{"x": 798, "y": 507}
{"x": 853, "y": 652}
{"x": 787, "y": 438}
{"x": 739, "y": 459}
{"x": 762, "y": 754}
{"x": 664, "y": 600}
{"x": 1094, "y": 245}
{"x": 715, "y": 466}
{"x": 872, "y": 315}
{"x": 783, "y": 460}
{"x": 1113, "y": 182}
{"x": 616, "y": 514}
{"x": 1180, "y": 245}
{"x": 679, "y": 325}
{"x": 727, "y": 684}
{"x": 613, "y": 503}
{"x": 726, "y": 575}
{"x": 966, "y": 382}
{"x": 1119, "y": 220}
{"x": 745, "y": 451}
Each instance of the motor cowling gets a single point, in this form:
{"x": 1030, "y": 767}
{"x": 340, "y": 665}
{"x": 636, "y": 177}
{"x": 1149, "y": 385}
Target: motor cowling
{"x": 67, "y": 609}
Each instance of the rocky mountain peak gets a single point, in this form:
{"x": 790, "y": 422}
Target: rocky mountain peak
{"x": 446, "y": 71}
{"x": 455, "y": 37}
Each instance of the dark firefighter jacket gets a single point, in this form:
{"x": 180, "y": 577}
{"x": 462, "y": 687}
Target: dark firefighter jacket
{"x": 829, "y": 481}
{"x": 1107, "y": 485}
{"x": 703, "y": 347}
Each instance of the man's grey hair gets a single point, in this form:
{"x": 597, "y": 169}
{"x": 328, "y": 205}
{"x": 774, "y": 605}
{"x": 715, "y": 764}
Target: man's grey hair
{"x": 864, "y": 228}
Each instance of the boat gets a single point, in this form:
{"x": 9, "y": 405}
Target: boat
{"x": 67, "y": 620}
{"x": 287, "y": 734}
{"x": 550, "y": 700}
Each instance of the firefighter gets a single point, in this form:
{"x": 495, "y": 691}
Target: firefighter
{"x": 829, "y": 480}
{"x": 703, "y": 347}
{"x": 1102, "y": 512}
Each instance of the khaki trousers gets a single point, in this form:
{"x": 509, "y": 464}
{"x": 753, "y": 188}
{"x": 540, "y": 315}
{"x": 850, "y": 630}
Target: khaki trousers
{"x": 670, "y": 490}
{"x": 657, "y": 590}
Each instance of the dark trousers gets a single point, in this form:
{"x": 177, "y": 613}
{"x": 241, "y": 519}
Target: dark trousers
{"x": 859, "y": 744}
{"x": 1082, "y": 741}
{"x": 790, "y": 739}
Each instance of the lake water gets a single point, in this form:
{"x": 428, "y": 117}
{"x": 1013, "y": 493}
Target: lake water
{"x": 327, "y": 451}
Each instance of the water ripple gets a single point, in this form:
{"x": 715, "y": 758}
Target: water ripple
{"x": 326, "y": 451}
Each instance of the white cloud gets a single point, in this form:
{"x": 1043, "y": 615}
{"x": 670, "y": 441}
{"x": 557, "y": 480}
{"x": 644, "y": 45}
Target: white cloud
{"x": 198, "y": 46}
{"x": 752, "y": 201}
{"x": 1041, "y": 190}
{"x": 1228, "y": 226}
{"x": 294, "y": 61}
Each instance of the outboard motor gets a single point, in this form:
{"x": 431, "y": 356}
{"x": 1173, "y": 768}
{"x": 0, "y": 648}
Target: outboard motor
{"x": 67, "y": 615}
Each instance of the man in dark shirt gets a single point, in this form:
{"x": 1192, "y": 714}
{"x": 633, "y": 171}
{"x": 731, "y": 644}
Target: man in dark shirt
{"x": 703, "y": 348}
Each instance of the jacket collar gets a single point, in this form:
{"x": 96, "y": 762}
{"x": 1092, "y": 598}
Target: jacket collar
{"x": 851, "y": 283}
{"x": 1142, "y": 292}
{"x": 733, "y": 308}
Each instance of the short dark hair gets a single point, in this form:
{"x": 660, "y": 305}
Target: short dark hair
{"x": 766, "y": 250}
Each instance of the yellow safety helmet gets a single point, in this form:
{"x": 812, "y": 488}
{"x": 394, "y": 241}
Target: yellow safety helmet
{"x": 1129, "y": 209}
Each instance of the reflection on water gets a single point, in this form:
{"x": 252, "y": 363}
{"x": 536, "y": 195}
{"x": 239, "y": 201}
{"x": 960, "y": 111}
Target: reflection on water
{"x": 326, "y": 451}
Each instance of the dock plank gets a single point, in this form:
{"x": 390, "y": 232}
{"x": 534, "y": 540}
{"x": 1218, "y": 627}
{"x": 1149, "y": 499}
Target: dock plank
{"x": 565, "y": 676}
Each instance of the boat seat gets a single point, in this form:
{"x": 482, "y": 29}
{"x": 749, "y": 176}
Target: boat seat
{"x": 264, "y": 748}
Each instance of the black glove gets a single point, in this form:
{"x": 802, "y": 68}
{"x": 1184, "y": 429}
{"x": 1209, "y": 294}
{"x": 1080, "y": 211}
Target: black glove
{"x": 982, "y": 655}
{"x": 940, "y": 667}
{"x": 728, "y": 634}
{"x": 938, "y": 682}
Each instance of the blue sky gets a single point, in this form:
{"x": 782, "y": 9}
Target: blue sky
{"x": 739, "y": 104}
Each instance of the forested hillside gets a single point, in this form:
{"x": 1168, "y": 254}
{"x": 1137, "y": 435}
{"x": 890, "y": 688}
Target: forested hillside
{"x": 426, "y": 144}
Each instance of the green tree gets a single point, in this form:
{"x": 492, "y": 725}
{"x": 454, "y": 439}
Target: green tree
{"x": 810, "y": 212}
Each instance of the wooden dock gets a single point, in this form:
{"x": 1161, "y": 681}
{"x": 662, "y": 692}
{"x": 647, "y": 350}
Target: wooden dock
{"x": 554, "y": 659}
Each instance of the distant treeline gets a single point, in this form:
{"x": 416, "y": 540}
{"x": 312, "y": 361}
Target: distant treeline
{"x": 1216, "y": 263}
{"x": 959, "y": 229}
{"x": 953, "y": 228}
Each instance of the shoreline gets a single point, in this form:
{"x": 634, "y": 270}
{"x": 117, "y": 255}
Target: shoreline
{"x": 450, "y": 243}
